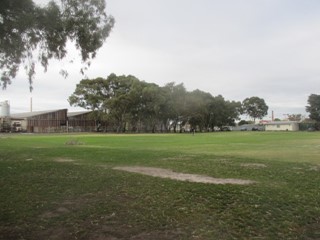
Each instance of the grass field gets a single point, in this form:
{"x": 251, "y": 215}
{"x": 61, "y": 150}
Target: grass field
{"x": 66, "y": 187}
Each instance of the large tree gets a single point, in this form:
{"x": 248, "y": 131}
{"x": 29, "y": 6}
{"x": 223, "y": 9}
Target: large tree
{"x": 223, "y": 112}
{"x": 90, "y": 94}
{"x": 27, "y": 28}
{"x": 177, "y": 105}
{"x": 255, "y": 107}
{"x": 115, "y": 97}
{"x": 152, "y": 106}
{"x": 314, "y": 108}
{"x": 198, "y": 109}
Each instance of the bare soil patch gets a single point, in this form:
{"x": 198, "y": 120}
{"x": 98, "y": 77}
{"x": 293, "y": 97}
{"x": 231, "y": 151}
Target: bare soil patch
{"x": 54, "y": 233}
{"x": 180, "y": 157}
{"x": 167, "y": 173}
{"x": 254, "y": 165}
{"x": 56, "y": 213}
{"x": 315, "y": 168}
{"x": 63, "y": 160}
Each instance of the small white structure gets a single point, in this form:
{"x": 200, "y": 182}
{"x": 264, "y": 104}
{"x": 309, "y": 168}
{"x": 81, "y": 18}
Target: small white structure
{"x": 4, "y": 109}
{"x": 282, "y": 126}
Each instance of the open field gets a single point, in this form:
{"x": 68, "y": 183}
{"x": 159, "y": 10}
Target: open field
{"x": 74, "y": 186}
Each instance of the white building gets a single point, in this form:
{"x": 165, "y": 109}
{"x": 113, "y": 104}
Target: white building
{"x": 282, "y": 126}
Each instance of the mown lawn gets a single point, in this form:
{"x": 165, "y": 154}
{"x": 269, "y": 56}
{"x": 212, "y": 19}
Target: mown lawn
{"x": 65, "y": 187}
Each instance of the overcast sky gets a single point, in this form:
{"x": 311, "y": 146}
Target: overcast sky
{"x": 235, "y": 48}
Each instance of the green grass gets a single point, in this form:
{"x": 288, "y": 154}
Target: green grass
{"x": 43, "y": 196}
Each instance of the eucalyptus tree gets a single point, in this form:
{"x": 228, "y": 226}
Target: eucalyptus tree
{"x": 223, "y": 112}
{"x": 91, "y": 94}
{"x": 154, "y": 106}
{"x": 294, "y": 117}
{"x": 177, "y": 105}
{"x": 27, "y": 29}
{"x": 198, "y": 109}
{"x": 108, "y": 98}
{"x": 255, "y": 107}
{"x": 122, "y": 101}
{"x": 232, "y": 112}
{"x": 216, "y": 109}
{"x": 125, "y": 101}
{"x": 313, "y": 108}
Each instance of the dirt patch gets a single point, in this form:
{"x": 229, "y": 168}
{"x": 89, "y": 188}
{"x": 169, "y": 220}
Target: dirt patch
{"x": 315, "y": 168}
{"x": 54, "y": 233}
{"x": 56, "y": 213}
{"x": 167, "y": 173}
{"x": 69, "y": 206}
{"x": 63, "y": 160}
{"x": 166, "y": 234}
{"x": 179, "y": 157}
{"x": 254, "y": 165}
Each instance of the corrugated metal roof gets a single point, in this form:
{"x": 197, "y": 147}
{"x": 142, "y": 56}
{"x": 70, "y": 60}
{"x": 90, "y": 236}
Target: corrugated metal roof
{"x": 281, "y": 123}
{"x": 73, "y": 114}
{"x": 32, "y": 114}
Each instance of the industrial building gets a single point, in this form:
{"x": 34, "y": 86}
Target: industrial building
{"x": 50, "y": 121}
{"x": 40, "y": 122}
{"x": 81, "y": 122}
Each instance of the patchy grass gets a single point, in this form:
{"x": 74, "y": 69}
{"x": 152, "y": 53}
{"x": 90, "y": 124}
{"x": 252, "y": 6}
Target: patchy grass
{"x": 53, "y": 190}
{"x": 74, "y": 142}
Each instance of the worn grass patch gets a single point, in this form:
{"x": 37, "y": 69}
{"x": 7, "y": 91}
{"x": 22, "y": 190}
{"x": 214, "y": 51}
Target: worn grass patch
{"x": 167, "y": 173}
{"x": 53, "y": 190}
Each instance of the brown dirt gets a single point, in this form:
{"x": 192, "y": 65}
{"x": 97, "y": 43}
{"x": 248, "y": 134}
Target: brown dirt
{"x": 254, "y": 165}
{"x": 167, "y": 173}
{"x": 63, "y": 160}
{"x": 315, "y": 168}
{"x": 56, "y": 213}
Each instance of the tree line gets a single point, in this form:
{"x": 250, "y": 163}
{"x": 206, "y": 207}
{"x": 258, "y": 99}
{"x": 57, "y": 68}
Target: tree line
{"x": 124, "y": 103}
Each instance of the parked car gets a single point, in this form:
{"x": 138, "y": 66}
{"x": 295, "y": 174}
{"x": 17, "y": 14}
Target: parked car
{"x": 226, "y": 128}
{"x": 255, "y": 129}
{"x": 311, "y": 129}
{"x": 216, "y": 129}
{"x": 243, "y": 129}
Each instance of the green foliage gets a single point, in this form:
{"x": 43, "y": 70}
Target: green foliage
{"x": 50, "y": 190}
{"x": 294, "y": 117}
{"x": 126, "y": 103}
{"x": 255, "y": 107}
{"x": 5, "y": 126}
{"x": 314, "y": 107}
{"x": 243, "y": 122}
{"x": 198, "y": 109}
{"x": 307, "y": 126}
{"x": 26, "y": 28}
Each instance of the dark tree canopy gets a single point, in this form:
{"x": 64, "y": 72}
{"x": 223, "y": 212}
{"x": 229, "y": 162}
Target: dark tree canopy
{"x": 314, "y": 107}
{"x": 26, "y": 28}
{"x": 125, "y": 103}
{"x": 255, "y": 107}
